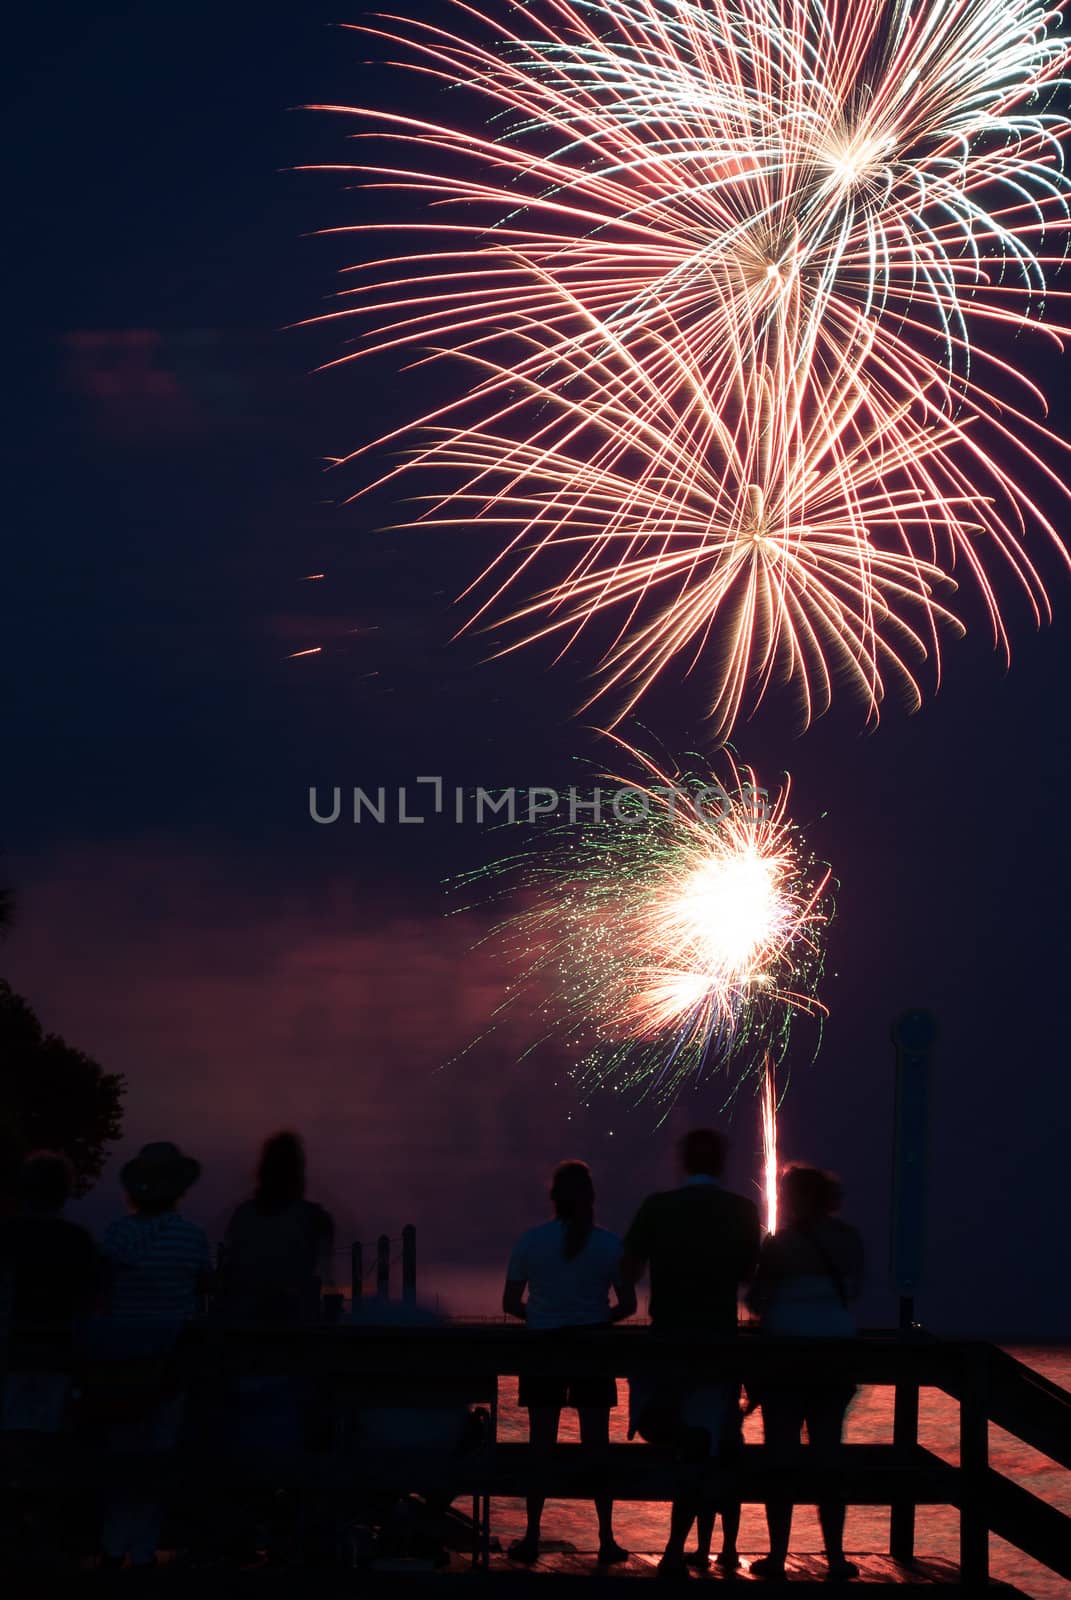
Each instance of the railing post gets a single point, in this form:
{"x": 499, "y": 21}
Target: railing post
{"x": 913, "y": 1035}
{"x": 383, "y": 1267}
{"x": 905, "y": 1447}
{"x": 356, "y": 1271}
{"x": 974, "y": 1471}
{"x": 409, "y": 1263}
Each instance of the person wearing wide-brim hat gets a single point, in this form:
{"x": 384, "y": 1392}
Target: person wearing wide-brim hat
{"x": 159, "y": 1264}
{"x": 158, "y": 1176}
{"x": 159, "y": 1261}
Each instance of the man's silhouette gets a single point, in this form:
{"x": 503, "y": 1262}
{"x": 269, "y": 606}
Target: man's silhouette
{"x": 700, "y": 1243}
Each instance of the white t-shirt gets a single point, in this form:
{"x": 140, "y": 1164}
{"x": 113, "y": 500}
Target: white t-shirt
{"x": 561, "y": 1293}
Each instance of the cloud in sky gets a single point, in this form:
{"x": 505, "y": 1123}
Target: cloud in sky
{"x": 234, "y": 1009}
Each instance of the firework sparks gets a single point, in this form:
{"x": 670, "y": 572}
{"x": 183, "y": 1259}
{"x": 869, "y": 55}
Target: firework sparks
{"x": 769, "y": 1143}
{"x": 838, "y": 198}
{"x": 782, "y": 539}
{"x": 694, "y": 168}
{"x": 678, "y": 933}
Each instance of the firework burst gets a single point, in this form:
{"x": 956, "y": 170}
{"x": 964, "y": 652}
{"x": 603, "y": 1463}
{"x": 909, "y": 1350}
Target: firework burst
{"x": 779, "y": 539}
{"x": 840, "y": 199}
{"x": 679, "y": 933}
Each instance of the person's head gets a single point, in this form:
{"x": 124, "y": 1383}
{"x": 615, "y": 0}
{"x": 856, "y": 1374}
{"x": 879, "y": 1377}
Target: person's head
{"x": 280, "y": 1172}
{"x": 808, "y": 1194}
{"x": 45, "y": 1182}
{"x": 702, "y": 1153}
{"x": 158, "y": 1177}
{"x": 572, "y": 1194}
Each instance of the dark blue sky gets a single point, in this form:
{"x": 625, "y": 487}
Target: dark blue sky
{"x": 165, "y": 497}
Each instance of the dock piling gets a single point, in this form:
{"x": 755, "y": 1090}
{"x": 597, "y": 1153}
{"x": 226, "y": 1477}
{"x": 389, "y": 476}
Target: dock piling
{"x": 409, "y": 1264}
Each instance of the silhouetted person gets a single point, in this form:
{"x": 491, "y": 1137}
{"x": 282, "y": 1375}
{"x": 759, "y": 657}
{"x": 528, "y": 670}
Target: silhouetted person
{"x": 569, "y": 1266}
{"x": 278, "y": 1244}
{"x": 809, "y": 1273}
{"x": 700, "y": 1243}
{"x": 159, "y": 1263}
{"x": 159, "y": 1267}
{"x": 51, "y": 1263}
{"x": 277, "y": 1248}
{"x": 50, "y": 1275}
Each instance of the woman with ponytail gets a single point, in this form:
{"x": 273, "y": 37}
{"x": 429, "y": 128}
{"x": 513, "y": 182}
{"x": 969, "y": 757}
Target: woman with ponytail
{"x": 568, "y": 1266}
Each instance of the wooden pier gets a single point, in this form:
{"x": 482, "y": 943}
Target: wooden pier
{"x": 351, "y": 1367}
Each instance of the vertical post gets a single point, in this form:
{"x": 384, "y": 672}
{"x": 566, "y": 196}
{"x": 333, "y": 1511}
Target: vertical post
{"x": 409, "y": 1263}
{"x": 912, "y": 1035}
{"x": 974, "y": 1471}
{"x": 356, "y": 1271}
{"x": 905, "y": 1448}
{"x": 383, "y": 1267}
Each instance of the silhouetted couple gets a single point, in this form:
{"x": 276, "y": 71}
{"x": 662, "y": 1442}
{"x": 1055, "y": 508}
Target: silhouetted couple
{"x": 700, "y": 1245}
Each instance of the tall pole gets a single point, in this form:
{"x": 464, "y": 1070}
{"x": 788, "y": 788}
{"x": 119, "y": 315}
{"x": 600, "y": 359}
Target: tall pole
{"x": 913, "y": 1035}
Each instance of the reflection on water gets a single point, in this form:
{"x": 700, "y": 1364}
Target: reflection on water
{"x": 644, "y": 1527}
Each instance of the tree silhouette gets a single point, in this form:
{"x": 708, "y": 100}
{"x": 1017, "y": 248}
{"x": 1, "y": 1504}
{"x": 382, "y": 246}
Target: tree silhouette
{"x": 53, "y": 1096}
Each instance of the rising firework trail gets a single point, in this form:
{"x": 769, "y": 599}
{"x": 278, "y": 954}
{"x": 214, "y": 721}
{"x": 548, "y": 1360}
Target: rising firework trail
{"x": 769, "y": 1143}
{"x": 676, "y": 935}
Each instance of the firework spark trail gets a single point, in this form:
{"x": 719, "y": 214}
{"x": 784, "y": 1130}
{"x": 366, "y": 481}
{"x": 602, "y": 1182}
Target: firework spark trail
{"x": 769, "y": 1143}
{"x": 813, "y": 193}
{"x": 685, "y": 159}
{"x": 761, "y": 545}
{"x": 706, "y": 158}
{"x": 679, "y": 933}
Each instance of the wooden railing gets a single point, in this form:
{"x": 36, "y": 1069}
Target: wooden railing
{"x": 402, "y": 1366}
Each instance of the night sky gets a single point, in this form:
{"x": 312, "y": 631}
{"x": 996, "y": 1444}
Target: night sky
{"x": 181, "y": 918}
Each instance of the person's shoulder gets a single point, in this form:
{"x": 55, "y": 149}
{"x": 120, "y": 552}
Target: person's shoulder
{"x": 317, "y": 1217}
{"x": 664, "y": 1208}
{"x": 75, "y": 1236}
{"x": 848, "y": 1237}
{"x": 606, "y": 1241}
{"x": 532, "y": 1236}
{"x": 544, "y": 1232}
{"x": 741, "y": 1204}
{"x": 190, "y": 1231}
